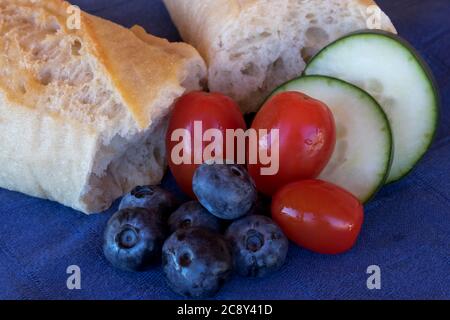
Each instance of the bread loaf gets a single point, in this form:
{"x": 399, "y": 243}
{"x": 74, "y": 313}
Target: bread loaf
{"x": 252, "y": 46}
{"x": 83, "y": 110}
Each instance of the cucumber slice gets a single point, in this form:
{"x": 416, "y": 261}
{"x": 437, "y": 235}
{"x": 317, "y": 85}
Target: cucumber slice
{"x": 389, "y": 69}
{"x": 363, "y": 154}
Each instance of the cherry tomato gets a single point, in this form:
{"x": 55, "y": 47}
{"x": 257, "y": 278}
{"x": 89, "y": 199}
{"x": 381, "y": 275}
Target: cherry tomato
{"x": 307, "y": 137}
{"x": 213, "y": 111}
{"x": 318, "y": 216}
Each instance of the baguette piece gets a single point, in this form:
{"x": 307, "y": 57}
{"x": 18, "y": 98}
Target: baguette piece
{"x": 253, "y": 46}
{"x": 83, "y": 112}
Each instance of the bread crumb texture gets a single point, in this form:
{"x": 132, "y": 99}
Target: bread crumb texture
{"x": 83, "y": 111}
{"x": 253, "y": 46}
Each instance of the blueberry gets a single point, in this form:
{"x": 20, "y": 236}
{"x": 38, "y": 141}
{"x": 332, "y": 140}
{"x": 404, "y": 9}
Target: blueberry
{"x": 259, "y": 246}
{"x": 196, "y": 262}
{"x": 149, "y": 197}
{"x": 227, "y": 191}
{"x": 133, "y": 238}
{"x": 193, "y": 214}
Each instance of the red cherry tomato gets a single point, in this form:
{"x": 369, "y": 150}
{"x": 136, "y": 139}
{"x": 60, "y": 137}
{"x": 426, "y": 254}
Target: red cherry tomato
{"x": 307, "y": 137}
{"x": 214, "y": 111}
{"x": 318, "y": 216}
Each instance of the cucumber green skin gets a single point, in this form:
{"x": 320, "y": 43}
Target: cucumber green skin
{"x": 426, "y": 72}
{"x": 282, "y": 88}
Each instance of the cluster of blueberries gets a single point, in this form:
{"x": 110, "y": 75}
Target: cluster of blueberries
{"x": 200, "y": 243}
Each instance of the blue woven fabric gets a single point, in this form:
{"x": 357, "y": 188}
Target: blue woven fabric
{"x": 406, "y": 230}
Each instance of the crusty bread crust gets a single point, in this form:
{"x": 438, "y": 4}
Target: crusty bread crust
{"x": 252, "y": 46}
{"x": 83, "y": 112}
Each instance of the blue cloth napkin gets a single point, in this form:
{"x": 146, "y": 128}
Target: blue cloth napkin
{"x": 406, "y": 231}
